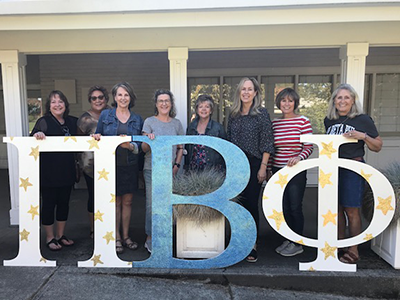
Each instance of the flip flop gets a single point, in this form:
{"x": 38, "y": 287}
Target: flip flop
{"x": 350, "y": 258}
{"x": 62, "y": 241}
{"x": 55, "y": 242}
{"x": 252, "y": 257}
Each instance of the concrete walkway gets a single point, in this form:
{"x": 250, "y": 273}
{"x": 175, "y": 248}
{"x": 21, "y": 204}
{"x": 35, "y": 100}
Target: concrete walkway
{"x": 273, "y": 276}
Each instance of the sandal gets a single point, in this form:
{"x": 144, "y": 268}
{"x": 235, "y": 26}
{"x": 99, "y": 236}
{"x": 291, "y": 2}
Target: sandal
{"x": 64, "y": 241}
{"x": 252, "y": 257}
{"x": 118, "y": 246}
{"x": 349, "y": 258}
{"x": 128, "y": 243}
{"x": 53, "y": 242}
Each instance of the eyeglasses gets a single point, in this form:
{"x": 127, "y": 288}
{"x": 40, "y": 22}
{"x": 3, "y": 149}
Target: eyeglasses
{"x": 164, "y": 101}
{"x": 93, "y": 98}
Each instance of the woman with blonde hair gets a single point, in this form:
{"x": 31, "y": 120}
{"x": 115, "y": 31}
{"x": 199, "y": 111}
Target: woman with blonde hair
{"x": 250, "y": 128}
{"x": 345, "y": 117}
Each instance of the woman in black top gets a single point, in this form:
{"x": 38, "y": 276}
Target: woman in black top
{"x": 57, "y": 170}
{"x": 345, "y": 117}
{"x": 250, "y": 128}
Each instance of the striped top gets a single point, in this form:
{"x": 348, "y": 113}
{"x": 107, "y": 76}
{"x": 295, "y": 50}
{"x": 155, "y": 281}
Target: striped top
{"x": 287, "y": 140}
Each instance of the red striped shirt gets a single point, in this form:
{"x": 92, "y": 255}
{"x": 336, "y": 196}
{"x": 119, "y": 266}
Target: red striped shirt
{"x": 287, "y": 140}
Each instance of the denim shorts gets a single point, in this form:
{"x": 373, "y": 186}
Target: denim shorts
{"x": 351, "y": 188}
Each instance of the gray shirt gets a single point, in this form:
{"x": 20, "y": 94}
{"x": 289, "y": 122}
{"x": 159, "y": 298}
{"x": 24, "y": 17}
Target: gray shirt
{"x": 153, "y": 125}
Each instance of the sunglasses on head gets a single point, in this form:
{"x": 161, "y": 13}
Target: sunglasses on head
{"x": 93, "y": 98}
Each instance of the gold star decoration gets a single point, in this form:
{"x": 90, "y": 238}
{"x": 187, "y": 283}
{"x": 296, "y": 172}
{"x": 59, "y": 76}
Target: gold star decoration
{"x": 311, "y": 269}
{"x": 24, "y": 235}
{"x": 329, "y": 251}
{"x": 129, "y": 263}
{"x": 25, "y": 183}
{"x": 109, "y": 236}
{"x": 366, "y": 176}
{"x": 33, "y": 211}
{"x": 98, "y": 216}
{"x": 70, "y": 137}
{"x": 368, "y": 237}
{"x": 103, "y": 174}
{"x": 96, "y": 260}
{"x": 282, "y": 180}
{"x": 327, "y": 149}
{"x": 35, "y": 152}
{"x": 301, "y": 242}
{"x": 112, "y": 198}
{"x": 384, "y": 204}
{"x": 278, "y": 217}
{"x": 329, "y": 217}
{"x": 93, "y": 143}
{"x": 11, "y": 138}
{"x": 324, "y": 179}
{"x": 42, "y": 259}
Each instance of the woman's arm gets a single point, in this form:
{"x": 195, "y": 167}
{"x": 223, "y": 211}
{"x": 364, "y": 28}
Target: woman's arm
{"x": 373, "y": 144}
{"x": 262, "y": 172}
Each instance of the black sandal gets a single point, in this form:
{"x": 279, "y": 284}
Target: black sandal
{"x": 55, "y": 242}
{"x": 62, "y": 239}
{"x": 128, "y": 243}
{"x": 252, "y": 257}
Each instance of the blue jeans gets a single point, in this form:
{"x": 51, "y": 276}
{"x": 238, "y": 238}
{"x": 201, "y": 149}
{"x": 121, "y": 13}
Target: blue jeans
{"x": 293, "y": 201}
{"x": 147, "y": 181}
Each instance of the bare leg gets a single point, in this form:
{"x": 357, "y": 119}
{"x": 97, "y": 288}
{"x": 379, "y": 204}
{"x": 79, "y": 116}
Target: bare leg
{"x": 60, "y": 232}
{"x": 341, "y": 223}
{"x": 126, "y": 214}
{"x": 118, "y": 210}
{"x": 353, "y": 214}
{"x": 91, "y": 221}
{"x": 50, "y": 235}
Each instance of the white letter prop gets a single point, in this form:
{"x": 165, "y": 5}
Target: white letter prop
{"x": 29, "y": 148}
{"x": 328, "y": 163}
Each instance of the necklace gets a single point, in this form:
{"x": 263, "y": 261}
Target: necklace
{"x": 344, "y": 121}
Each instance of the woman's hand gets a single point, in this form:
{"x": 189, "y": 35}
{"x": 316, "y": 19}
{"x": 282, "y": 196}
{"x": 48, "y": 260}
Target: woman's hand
{"x": 354, "y": 134}
{"x": 293, "y": 161}
{"x": 39, "y": 135}
{"x": 262, "y": 174}
{"x": 96, "y": 136}
{"x": 151, "y": 136}
{"x": 175, "y": 170}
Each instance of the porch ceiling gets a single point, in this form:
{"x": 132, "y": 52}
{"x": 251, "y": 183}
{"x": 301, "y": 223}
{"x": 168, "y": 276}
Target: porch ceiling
{"x": 200, "y": 38}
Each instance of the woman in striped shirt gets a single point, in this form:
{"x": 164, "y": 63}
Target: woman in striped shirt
{"x": 288, "y": 152}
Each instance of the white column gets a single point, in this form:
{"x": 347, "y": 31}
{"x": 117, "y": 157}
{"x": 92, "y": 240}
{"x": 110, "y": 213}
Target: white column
{"x": 178, "y": 80}
{"x": 16, "y": 117}
{"x": 353, "y": 59}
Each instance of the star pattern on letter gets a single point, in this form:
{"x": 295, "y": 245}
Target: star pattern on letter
{"x": 129, "y": 263}
{"x": 42, "y": 259}
{"x": 103, "y": 174}
{"x": 96, "y": 260}
{"x": 324, "y": 179}
{"x": 368, "y": 236}
{"x": 25, "y": 183}
{"x": 265, "y": 197}
{"x": 329, "y": 251}
{"x": 327, "y": 149}
{"x": 301, "y": 242}
{"x": 109, "y": 236}
{"x": 33, "y": 211}
{"x": 70, "y": 137}
{"x": 366, "y": 176}
{"x": 282, "y": 180}
{"x": 98, "y": 216}
{"x": 112, "y": 198}
{"x": 278, "y": 217}
{"x": 24, "y": 235}
{"x": 35, "y": 152}
{"x": 329, "y": 217}
{"x": 384, "y": 204}
{"x": 93, "y": 143}
{"x": 311, "y": 269}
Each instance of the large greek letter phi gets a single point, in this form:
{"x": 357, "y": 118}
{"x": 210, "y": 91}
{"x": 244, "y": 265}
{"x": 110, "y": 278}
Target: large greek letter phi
{"x": 328, "y": 164}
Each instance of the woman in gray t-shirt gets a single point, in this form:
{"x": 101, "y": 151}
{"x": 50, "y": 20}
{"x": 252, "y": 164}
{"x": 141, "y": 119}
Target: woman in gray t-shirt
{"x": 162, "y": 123}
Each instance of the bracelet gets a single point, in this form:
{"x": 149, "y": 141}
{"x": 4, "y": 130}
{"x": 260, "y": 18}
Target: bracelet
{"x": 263, "y": 163}
{"x": 176, "y": 164}
{"x": 365, "y": 136}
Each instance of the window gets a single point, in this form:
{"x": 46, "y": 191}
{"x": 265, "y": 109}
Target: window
{"x": 386, "y": 105}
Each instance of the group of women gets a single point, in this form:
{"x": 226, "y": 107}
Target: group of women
{"x": 269, "y": 146}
